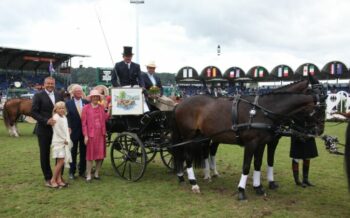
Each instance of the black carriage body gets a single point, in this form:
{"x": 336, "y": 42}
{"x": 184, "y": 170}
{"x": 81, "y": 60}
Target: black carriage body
{"x": 139, "y": 138}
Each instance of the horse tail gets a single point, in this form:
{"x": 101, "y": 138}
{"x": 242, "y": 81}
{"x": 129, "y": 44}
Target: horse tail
{"x": 193, "y": 151}
{"x": 177, "y": 151}
{"x": 347, "y": 154}
{"x": 5, "y": 115}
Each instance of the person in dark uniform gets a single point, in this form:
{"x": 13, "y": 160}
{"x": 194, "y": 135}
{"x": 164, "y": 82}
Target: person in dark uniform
{"x": 43, "y": 104}
{"x": 74, "y": 108}
{"x": 126, "y": 72}
{"x": 304, "y": 149}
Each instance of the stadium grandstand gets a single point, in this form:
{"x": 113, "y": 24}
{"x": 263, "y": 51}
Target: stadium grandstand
{"x": 24, "y": 70}
{"x": 335, "y": 76}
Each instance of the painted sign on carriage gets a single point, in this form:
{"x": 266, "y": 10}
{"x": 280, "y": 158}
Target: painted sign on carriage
{"x": 127, "y": 101}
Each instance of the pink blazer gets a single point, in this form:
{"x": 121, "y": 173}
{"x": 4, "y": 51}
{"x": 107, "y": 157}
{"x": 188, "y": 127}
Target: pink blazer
{"x": 87, "y": 120}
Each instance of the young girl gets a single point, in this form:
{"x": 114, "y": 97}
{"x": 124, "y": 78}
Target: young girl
{"x": 61, "y": 144}
{"x": 93, "y": 120}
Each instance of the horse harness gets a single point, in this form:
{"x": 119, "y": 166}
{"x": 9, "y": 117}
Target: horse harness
{"x": 282, "y": 129}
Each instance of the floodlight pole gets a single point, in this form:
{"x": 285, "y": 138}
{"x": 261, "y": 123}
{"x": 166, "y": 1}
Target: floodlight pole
{"x": 137, "y": 2}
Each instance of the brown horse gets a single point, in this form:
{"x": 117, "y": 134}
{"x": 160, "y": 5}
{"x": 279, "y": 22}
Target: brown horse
{"x": 300, "y": 86}
{"x": 13, "y": 109}
{"x": 16, "y": 107}
{"x": 252, "y": 126}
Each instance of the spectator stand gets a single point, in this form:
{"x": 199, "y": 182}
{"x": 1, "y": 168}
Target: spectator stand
{"x": 236, "y": 78}
{"x": 30, "y": 67}
{"x": 188, "y": 82}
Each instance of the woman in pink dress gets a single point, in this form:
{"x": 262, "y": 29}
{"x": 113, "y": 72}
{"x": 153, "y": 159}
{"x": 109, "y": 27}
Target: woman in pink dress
{"x": 93, "y": 120}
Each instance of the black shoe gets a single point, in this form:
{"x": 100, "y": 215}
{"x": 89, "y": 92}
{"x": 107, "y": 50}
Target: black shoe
{"x": 307, "y": 183}
{"x": 298, "y": 183}
{"x": 82, "y": 176}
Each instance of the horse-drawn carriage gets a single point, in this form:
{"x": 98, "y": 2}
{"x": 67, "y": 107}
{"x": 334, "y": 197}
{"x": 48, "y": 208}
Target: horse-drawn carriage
{"x": 140, "y": 136}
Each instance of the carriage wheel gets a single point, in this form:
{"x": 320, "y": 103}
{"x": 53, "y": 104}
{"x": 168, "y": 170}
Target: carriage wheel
{"x": 128, "y": 156}
{"x": 150, "y": 153}
{"x": 167, "y": 159}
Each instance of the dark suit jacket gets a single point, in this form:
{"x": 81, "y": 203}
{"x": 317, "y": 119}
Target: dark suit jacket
{"x": 122, "y": 76}
{"x": 42, "y": 111}
{"x": 74, "y": 120}
{"x": 149, "y": 84}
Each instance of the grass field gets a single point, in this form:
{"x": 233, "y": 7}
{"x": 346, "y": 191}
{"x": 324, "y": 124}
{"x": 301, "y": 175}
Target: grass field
{"x": 158, "y": 194}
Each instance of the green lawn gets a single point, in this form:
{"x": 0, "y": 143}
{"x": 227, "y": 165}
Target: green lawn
{"x": 158, "y": 194}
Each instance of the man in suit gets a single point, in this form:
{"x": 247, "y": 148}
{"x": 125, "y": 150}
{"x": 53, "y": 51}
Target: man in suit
{"x": 74, "y": 109}
{"x": 150, "y": 78}
{"x": 126, "y": 72}
{"x": 43, "y": 104}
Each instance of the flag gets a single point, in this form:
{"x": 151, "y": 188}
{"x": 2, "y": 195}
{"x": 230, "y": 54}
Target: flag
{"x": 312, "y": 70}
{"x": 51, "y": 69}
{"x": 184, "y": 73}
{"x": 208, "y": 72}
{"x": 285, "y": 72}
{"x": 214, "y": 72}
{"x": 332, "y": 69}
{"x": 232, "y": 74}
{"x": 279, "y": 72}
{"x": 305, "y": 70}
{"x": 237, "y": 73}
{"x": 190, "y": 74}
{"x": 261, "y": 72}
{"x": 255, "y": 72}
{"x": 339, "y": 69}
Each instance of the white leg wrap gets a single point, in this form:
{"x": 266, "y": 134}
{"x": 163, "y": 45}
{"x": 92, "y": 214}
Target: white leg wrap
{"x": 270, "y": 174}
{"x": 190, "y": 174}
{"x": 213, "y": 165}
{"x": 212, "y": 162}
{"x": 243, "y": 181}
{"x": 256, "y": 178}
{"x": 180, "y": 174}
{"x": 13, "y": 131}
{"x": 206, "y": 169}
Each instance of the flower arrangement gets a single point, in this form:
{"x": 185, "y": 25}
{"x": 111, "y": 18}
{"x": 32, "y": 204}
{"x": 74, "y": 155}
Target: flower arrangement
{"x": 154, "y": 92}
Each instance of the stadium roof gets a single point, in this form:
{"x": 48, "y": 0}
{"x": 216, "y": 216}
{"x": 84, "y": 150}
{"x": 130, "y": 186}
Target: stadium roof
{"x": 31, "y": 60}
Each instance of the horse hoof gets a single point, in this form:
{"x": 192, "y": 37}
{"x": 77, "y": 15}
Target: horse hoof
{"x": 216, "y": 175}
{"x": 241, "y": 195}
{"x": 273, "y": 185}
{"x": 259, "y": 190}
{"x": 195, "y": 189}
{"x": 207, "y": 179}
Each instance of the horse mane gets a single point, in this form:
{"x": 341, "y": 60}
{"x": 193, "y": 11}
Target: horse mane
{"x": 286, "y": 86}
{"x": 281, "y": 93}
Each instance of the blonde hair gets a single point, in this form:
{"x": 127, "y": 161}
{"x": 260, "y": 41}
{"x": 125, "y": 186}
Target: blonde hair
{"x": 58, "y": 105}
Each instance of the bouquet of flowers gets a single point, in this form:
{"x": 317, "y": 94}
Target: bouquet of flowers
{"x": 154, "y": 92}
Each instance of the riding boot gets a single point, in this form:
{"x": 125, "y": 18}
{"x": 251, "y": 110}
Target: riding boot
{"x": 306, "y": 167}
{"x": 295, "y": 168}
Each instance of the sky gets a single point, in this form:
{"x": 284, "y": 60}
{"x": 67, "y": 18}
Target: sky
{"x": 181, "y": 33}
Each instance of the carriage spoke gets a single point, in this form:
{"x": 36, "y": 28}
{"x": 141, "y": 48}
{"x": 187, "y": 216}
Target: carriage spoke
{"x": 124, "y": 169}
{"x": 130, "y": 177}
{"x": 123, "y": 163}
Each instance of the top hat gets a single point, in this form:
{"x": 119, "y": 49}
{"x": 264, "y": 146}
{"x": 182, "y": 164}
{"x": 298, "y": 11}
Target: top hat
{"x": 127, "y": 51}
